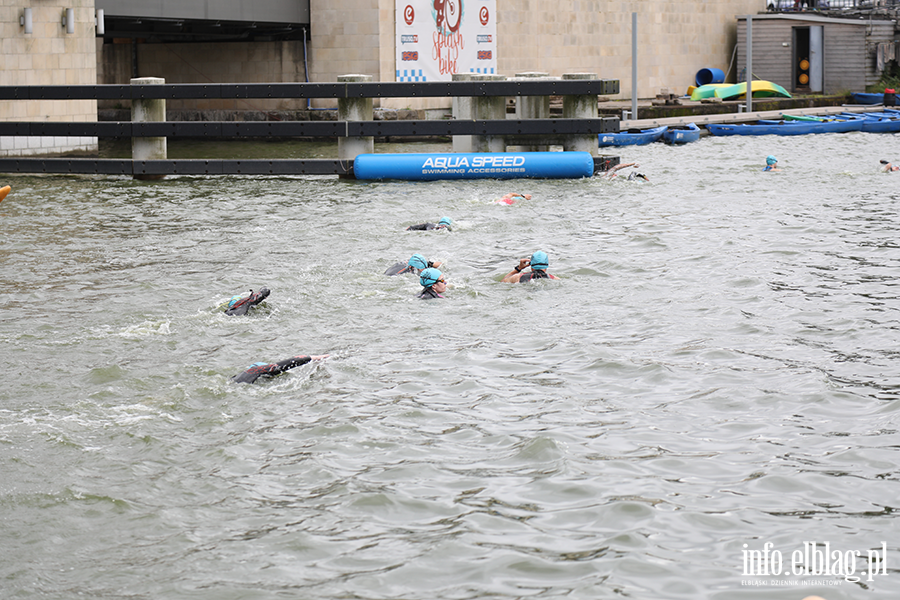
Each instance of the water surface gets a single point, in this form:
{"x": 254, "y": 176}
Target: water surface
{"x": 716, "y": 369}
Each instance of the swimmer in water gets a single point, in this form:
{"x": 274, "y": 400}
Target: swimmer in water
{"x": 433, "y": 284}
{"x": 886, "y": 167}
{"x": 538, "y": 262}
{"x": 444, "y": 223}
{"x": 240, "y": 306}
{"x": 634, "y": 175}
{"x": 4, "y": 191}
{"x": 637, "y": 176}
{"x": 512, "y": 198}
{"x": 771, "y": 164}
{"x": 268, "y": 370}
{"x": 415, "y": 265}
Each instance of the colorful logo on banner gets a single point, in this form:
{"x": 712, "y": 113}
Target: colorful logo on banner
{"x": 437, "y": 38}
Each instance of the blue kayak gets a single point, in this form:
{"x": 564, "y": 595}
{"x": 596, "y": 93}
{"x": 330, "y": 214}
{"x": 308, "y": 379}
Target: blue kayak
{"x": 866, "y": 98}
{"x": 881, "y": 122}
{"x": 632, "y": 137}
{"x": 682, "y": 134}
{"x": 765, "y": 127}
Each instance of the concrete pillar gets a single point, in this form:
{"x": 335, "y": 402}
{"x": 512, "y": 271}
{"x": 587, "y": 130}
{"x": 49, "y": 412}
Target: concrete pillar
{"x": 489, "y": 107}
{"x": 533, "y": 107}
{"x": 462, "y": 111}
{"x": 355, "y": 109}
{"x": 144, "y": 110}
{"x": 581, "y": 107}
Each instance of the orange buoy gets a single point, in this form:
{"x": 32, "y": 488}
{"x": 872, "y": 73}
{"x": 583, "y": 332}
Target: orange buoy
{"x": 4, "y": 191}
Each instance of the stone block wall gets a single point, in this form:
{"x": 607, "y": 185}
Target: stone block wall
{"x": 47, "y": 56}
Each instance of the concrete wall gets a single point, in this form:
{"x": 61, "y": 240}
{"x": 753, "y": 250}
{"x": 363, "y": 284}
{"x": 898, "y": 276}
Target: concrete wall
{"x": 676, "y": 39}
{"x": 236, "y": 62}
{"x": 47, "y": 56}
{"x": 271, "y": 11}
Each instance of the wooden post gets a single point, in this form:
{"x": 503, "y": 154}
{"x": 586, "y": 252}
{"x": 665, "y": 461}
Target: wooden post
{"x": 581, "y": 107}
{"x": 355, "y": 109}
{"x": 146, "y": 110}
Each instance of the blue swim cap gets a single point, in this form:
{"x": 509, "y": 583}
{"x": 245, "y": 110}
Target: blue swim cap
{"x": 540, "y": 261}
{"x": 445, "y": 221}
{"x": 429, "y": 277}
{"x": 771, "y": 160}
{"x": 417, "y": 261}
{"x": 233, "y": 301}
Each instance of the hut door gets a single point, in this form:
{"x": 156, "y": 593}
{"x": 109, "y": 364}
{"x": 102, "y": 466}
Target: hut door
{"x": 816, "y": 58}
{"x": 808, "y": 46}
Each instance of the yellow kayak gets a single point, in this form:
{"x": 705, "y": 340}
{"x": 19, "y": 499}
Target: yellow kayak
{"x": 4, "y": 191}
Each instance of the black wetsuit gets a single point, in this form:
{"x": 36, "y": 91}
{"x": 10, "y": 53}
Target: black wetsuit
{"x": 270, "y": 370}
{"x": 429, "y": 293}
{"x": 400, "y": 268}
{"x": 243, "y": 305}
{"x": 422, "y": 227}
{"x": 533, "y": 275}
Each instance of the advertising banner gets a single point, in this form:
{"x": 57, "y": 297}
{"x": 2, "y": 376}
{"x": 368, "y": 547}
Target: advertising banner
{"x": 437, "y": 38}
{"x": 461, "y": 165}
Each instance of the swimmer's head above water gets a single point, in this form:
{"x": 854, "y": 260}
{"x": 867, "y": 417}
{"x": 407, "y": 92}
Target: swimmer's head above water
{"x": 417, "y": 262}
{"x": 433, "y": 283}
{"x": 430, "y": 276}
{"x": 539, "y": 261}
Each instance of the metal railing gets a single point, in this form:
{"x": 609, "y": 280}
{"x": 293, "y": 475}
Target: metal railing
{"x": 518, "y": 130}
{"x": 830, "y": 5}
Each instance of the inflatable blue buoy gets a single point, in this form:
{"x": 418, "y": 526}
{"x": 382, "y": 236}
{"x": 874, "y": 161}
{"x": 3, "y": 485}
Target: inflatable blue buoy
{"x": 705, "y": 76}
{"x": 499, "y": 165}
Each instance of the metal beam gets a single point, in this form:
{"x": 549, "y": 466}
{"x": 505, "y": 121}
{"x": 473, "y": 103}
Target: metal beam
{"x": 433, "y": 89}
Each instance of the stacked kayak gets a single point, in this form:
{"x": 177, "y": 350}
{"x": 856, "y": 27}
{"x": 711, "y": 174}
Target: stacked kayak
{"x": 790, "y": 127}
{"x": 632, "y": 137}
{"x": 880, "y": 122}
{"x": 731, "y": 91}
{"x": 683, "y": 134}
{"x": 760, "y": 87}
{"x": 707, "y": 91}
{"x": 866, "y": 98}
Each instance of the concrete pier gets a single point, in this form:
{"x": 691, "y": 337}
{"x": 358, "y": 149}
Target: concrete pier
{"x": 462, "y": 109}
{"x": 145, "y": 110}
{"x": 355, "y": 109}
{"x": 580, "y": 107}
{"x": 532, "y": 107}
{"x": 488, "y": 107}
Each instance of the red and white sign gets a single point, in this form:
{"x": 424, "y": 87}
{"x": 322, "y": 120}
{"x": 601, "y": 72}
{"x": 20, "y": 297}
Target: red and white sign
{"x": 437, "y": 38}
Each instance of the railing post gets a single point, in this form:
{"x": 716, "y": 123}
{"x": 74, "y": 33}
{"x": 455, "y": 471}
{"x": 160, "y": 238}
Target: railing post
{"x": 148, "y": 110}
{"x": 533, "y": 107}
{"x": 488, "y": 107}
{"x": 581, "y": 107}
{"x": 355, "y": 109}
{"x": 462, "y": 110}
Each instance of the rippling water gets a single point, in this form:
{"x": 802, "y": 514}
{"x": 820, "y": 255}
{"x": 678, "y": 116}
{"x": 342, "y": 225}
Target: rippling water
{"x": 716, "y": 369}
